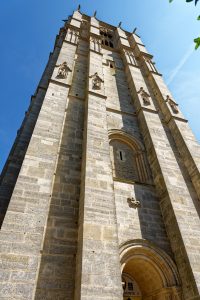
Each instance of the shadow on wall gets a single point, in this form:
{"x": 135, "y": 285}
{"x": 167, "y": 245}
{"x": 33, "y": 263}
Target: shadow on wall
{"x": 17, "y": 153}
{"x": 149, "y": 213}
{"x": 57, "y": 269}
{"x": 151, "y": 222}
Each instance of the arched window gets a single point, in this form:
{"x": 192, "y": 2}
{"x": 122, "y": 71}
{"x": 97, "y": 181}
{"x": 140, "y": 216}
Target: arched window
{"x": 128, "y": 158}
{"x": 123, "y": 160}
{"x": 107, "y": 38}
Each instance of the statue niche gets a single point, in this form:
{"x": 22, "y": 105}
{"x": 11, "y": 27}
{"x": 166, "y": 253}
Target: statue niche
{"x": 145, "y": 96}
{"x": 63, "y": 70}
{"x": 173, "y": 105}
{"x": 96, "y": 81}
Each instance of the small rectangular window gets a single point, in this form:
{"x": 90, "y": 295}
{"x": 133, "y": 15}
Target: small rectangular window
{"x": 130, "y": 286}
{"x": 120, "y": 154}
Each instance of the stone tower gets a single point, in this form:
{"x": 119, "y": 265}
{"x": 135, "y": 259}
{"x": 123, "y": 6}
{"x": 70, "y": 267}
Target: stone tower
{"x": 99, "y": 195}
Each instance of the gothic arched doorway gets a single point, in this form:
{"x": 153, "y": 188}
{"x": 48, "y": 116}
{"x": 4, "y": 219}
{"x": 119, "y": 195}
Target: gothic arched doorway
{"x": 148, "y": 273}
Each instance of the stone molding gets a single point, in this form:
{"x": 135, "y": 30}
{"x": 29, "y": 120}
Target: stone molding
{"x": 129, "y": 139}
{"x": 168, "y": 269}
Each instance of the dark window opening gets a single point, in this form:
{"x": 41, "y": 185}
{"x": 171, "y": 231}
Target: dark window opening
{"x": 120, "y": 154}
{"x": 130, "y": 286}
{"x": 106, "y": 38}
{"x": 111, "y": 44}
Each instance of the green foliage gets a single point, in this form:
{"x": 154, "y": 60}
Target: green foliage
{"x": 197, "y": 40}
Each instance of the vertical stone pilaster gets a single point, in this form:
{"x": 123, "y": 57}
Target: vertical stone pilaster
{"x": 175, "y": 200}
{"x": 184, "y": 138}
{"x": 98, "y": 267}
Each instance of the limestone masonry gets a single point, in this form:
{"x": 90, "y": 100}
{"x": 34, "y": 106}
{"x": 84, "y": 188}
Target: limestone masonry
{"x": 99, "y": 194}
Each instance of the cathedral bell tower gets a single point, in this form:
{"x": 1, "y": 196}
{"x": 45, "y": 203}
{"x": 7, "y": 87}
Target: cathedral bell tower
{"x": 99, "y": 197}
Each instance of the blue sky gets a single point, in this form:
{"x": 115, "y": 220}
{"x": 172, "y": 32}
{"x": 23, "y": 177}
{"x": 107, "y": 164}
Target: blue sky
{"x": 28, "y": 30}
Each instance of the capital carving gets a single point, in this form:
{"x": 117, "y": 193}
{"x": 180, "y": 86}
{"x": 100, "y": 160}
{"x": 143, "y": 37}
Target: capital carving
{"x": 63, "y": 70}
{"x": 133, "y": 203}
{"x": 173, "y": 105}
{"x": 145, "y": 96}
{"x": 96, "y": 81}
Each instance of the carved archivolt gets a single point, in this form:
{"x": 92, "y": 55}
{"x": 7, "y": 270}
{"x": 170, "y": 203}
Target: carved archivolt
{"x": 145, "y": 96}
{"x": 173, "y": 105}
{"x": 167, "y": 284}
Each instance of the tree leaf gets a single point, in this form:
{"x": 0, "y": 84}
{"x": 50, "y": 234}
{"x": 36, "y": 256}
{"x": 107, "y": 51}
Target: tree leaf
{"x": 198, "y": 18}
{"x": 196, "y": 2}
{"x": 197, "y": 42}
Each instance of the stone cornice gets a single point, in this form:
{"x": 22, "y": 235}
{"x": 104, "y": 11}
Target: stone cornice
{"x": 142, "y": 108}
{"x": 132, "y": 182}
{"x": 69, "y": 26}
{"x": 121, "y": 112}
{"x": 97, "y": 94}
{"x": 172, "y": 117}
{"x": 60, "y": 83}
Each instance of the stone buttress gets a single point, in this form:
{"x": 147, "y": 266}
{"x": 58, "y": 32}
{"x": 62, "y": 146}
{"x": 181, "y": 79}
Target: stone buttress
{"x": 99, "y": 195}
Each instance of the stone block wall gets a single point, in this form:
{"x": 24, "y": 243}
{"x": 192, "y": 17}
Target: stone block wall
{"x": 73, "y": 206}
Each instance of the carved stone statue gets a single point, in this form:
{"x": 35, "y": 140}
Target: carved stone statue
{"x": 96, "y": 81}
{"x": 145, "y": 96}
{"x": 63, "y": 70}
{"x": 133, "y": 203}
{"x": 173, "y": 104}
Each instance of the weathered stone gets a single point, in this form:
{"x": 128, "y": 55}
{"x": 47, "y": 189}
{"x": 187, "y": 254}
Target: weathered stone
{"x": 99, "y": 195}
